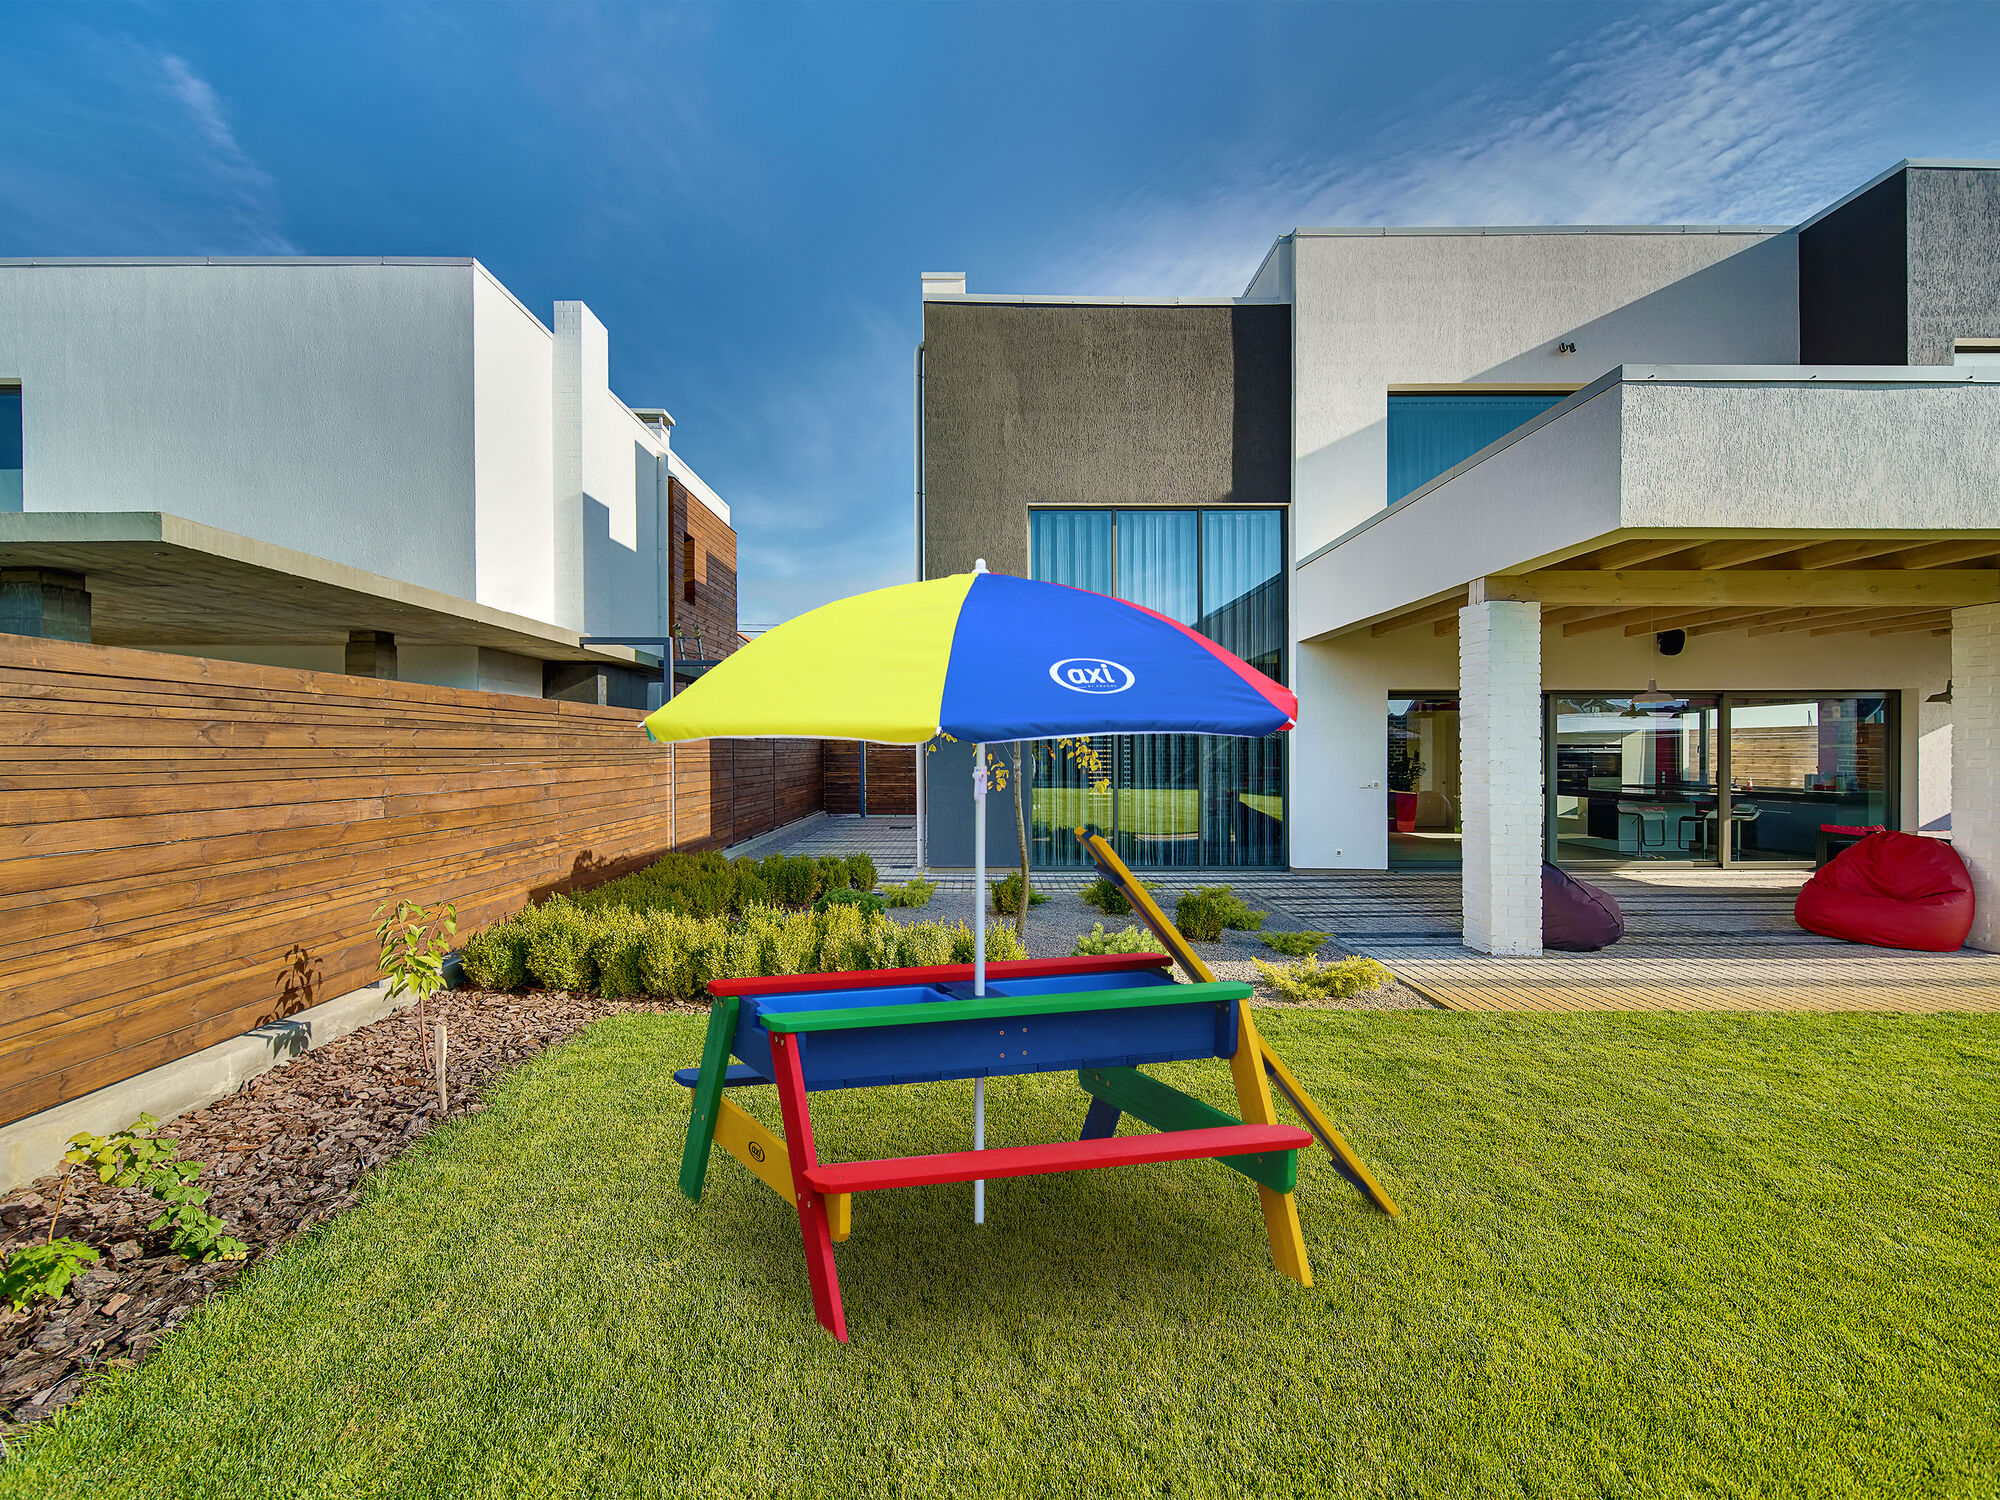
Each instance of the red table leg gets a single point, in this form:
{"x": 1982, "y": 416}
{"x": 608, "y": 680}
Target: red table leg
{"x": 812, "y": 1207}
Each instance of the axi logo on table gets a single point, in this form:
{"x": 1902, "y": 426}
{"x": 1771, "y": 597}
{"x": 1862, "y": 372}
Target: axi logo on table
{"x": 1091, "y": 674}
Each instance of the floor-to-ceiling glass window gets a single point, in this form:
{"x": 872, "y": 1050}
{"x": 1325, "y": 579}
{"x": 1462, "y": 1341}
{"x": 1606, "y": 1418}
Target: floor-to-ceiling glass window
{"x": 1634, "y": 780}
{"x": 1423, "y": 790}
{"x": 1170, "y": 800}
{"x": 1798, "y": 763}
{"x": 1428, "y": 434}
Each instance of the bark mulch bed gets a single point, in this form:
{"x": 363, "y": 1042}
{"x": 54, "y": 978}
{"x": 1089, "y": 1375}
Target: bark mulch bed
{"x": 288, "y": 1150}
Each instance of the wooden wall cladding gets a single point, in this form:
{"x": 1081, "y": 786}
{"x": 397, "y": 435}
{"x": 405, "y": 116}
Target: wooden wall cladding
{"x": 892, "y": 778}
{"x": 189, "y": 848}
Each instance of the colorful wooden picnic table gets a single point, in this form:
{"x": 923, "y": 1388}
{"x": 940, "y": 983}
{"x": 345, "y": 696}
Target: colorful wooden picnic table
{"x": 1104, "y": 1017}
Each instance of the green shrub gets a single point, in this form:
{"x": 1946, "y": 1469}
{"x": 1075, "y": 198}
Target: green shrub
{"x": 1131, "y": 940}
{"x": 1295, "y": 944}
{"x": 861, "y": 872}
{"x": 1309, "y": 979}
{"x": 1107, "y": 898}
{"x": 914, "y": 892}
{"x": 1007, "y": 895}
{"x": 1201, "y": 914}
{"x": 695, "y": 885}
{"x": 868, "y": 901}
{"x": 792, "y": 879}
{"x": 921, "y": 945}
{"x": 496, "y": 957}
{"x": 139, "y": 1156}
{"x": 560, "y": 936}
{"x": 831, "y": 872}
{"x": 614, "y": 953}
{"x": 1001, "y": 943}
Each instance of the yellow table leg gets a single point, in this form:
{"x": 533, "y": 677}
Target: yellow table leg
{"x": 1253, "y": 1102}
{"x": 762, "y": 1150}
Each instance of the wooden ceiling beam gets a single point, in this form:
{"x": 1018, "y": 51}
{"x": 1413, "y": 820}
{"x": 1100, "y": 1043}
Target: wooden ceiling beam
{"x": 1687, "y": 620}
{"x": 1911, "y": 627}
{"x": 1943, "y": 554}
{"x": 1746, "y": 622}
{"x": 1818, "y": 618}
{"x": 1608, "y": 620}
{"x": 1939, "y": 588}
{"x": 1732, "y": 552}
{"x": 1416, "y": 617}
{"x": 1630, "y": 554}
{"x": 1929, "y": 620}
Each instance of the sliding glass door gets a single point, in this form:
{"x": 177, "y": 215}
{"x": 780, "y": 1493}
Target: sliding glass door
{"x": 1171, "y": 801}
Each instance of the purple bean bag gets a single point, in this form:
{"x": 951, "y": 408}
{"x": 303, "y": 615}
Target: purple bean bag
{"x": 1577, "y": 918}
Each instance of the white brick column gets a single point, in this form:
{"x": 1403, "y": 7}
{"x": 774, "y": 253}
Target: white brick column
{"x": 1975, "y": 762}
{"x": 1500, "y": 759}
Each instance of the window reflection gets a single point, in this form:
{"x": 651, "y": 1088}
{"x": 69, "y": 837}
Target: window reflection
{"x": 1174, "y": 801}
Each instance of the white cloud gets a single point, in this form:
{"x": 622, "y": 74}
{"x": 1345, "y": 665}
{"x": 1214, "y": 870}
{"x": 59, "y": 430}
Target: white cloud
{"x": 1704, "y": 114}
{"x": 118, "y": 148}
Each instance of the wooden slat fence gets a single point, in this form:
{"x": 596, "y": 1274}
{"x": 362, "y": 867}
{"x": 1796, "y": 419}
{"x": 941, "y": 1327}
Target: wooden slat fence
{"x": 190, "y": 847}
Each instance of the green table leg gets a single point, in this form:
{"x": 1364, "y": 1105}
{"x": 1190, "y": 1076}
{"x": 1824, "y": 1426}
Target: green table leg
{"x": 707, "y": 1096}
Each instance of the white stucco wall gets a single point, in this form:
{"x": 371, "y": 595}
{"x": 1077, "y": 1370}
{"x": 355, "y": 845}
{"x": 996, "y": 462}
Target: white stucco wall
{"x": 322, "y": 406}
{"x": 1340, "y": 749}
{"x": 1374, "y": 310}
{"x": 513, "y": 458}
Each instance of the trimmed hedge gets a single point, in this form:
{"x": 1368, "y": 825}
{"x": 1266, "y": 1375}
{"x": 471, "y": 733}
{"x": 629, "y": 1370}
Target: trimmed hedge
{"x": 568, "y": 944}
{"x": 707, "y": 885}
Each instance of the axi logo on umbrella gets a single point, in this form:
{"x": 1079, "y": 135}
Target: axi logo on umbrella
{"x": 1091, "y": 674}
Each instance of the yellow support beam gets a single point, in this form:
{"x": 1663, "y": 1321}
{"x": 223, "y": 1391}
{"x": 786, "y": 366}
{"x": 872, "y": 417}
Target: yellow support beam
{"x": 762, "y": 1150}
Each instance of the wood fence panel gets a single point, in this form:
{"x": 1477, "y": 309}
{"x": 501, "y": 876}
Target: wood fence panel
{"x": 189, "y": 847}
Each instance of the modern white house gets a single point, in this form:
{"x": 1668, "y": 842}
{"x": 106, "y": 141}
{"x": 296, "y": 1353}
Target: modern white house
{"x": 1594, "y": 544}
{"x": 384, "y": 466}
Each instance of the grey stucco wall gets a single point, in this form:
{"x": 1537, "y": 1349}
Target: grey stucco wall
{"x": 1078, "y": 404}
{"x": 1954, "y": 259}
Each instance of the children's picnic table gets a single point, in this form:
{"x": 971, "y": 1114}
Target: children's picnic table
{"x": 1104, "y": 1017}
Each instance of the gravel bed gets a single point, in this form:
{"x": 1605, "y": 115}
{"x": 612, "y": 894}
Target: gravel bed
{"x": 289, "y": 1150}
{"x": 1054, "y": 927}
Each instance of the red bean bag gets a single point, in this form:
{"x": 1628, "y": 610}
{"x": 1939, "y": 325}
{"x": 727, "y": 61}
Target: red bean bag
{"x": 1895, "y": 890}
{"x": 1577, "y": 918}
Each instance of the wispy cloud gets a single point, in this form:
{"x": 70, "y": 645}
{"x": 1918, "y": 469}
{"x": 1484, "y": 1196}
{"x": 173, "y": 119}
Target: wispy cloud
{"x": 1708, "y": 114}
{"x": 119, "y": 148}
{"x": 242, "y": 183}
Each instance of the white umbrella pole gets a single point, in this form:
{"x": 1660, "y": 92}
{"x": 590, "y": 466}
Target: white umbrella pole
{"x": 979, "y": 956}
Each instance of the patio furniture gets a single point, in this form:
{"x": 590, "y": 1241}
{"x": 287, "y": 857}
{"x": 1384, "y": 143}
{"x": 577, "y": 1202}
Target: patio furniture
{"x": 1741, "y": 816}
{"x": 1633, "y": 836}
{"x": 1892, "y": 890}
{"x": 1577, "y": 917}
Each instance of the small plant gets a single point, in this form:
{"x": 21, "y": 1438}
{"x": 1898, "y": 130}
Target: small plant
{"x": 415, "y": 940}
{"x": 793, "y": 879}
{"x": 1309, "y": 979}
{"x": 861, "y": 872}
{"x": 1131, "y": 940}
{"x": 914, "y": 892}
{"x": 33, "y": 1272}
{"x": 138, "y": 1156}
{"x": 1295, "y": 944}
{"x": 1107, "y": 898}
{"x": 1201, "y": 914}
{"x": 1007, "y": 895}
{"x": 868, "y": 901}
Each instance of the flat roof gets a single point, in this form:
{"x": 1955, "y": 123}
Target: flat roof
{"x": 155, "y": 577}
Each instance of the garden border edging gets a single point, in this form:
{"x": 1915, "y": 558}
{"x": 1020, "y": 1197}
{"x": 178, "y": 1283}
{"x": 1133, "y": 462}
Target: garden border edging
{"x": 33, "y": 1147}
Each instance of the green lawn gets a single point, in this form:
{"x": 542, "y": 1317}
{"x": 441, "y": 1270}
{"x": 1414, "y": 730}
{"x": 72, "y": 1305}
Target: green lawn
{"x": 1640, "y": 1255}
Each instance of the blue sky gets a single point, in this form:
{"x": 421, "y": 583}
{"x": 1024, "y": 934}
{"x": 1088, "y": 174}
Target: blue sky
{"x": 746, "y": 194}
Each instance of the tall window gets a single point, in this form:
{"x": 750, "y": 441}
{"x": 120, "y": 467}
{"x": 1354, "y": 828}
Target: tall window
{"x": 1429, "y": 434}
{"x": 1179, "y": 800}
{"x": 10, "y": 448}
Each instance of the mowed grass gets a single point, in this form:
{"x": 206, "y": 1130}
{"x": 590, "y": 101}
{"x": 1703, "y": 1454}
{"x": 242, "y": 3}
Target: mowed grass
{"x": 1639, "y": 1255}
